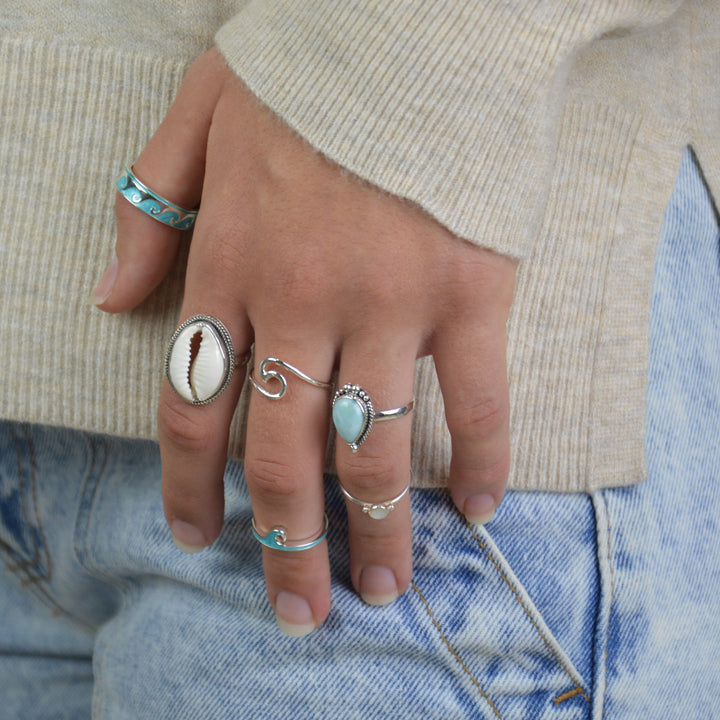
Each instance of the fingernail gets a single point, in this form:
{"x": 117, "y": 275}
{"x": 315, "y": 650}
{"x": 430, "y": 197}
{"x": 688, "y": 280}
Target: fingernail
{"x": 187, "y": 537}
{"x": 479, "y": 509}
{"x": 293, "y": 614}
{"x": 104, "y": 287}
{"x": 378, "y": 585}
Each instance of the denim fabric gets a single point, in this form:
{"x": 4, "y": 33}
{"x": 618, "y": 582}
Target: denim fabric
{"x": 564, "y": 607}
{"x": 658, "y": 640}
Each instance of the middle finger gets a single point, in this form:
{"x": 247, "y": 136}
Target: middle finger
{"x": 378, "y": 472}
{"x": 285, "y": 452}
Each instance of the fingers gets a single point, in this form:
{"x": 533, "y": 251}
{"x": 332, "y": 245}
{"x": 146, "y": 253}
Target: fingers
{"x": 380, "y": 549}
{"x": 285, "y": 450}
{"x": 279, "y": 237}
{"x": 172, "y": 165}
{"x": 470, "y": 359}
{"x": 193, "y": 445}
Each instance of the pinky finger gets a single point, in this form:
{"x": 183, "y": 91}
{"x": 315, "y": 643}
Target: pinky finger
{"x": 477, "y": 410}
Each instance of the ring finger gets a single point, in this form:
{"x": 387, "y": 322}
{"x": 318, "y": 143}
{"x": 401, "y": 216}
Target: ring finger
{"x": 375, "y": 477}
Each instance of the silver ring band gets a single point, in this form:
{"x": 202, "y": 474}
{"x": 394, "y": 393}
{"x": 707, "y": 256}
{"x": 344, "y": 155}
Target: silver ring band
{"x": 377, "y": 511}
{"x": 381, "y": 415}
{"x": 277, "y": 538}
{"x": 152, "y": 204}
{"x": 267, "y": 375}
{"x": 354, "y": 415}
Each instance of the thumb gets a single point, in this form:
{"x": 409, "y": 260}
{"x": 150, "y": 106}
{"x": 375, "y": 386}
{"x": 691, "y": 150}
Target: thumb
{"x": 172, "y": 165}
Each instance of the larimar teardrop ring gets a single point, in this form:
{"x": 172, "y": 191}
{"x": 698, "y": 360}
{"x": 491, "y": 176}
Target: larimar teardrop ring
{"x": 354, "y": 416}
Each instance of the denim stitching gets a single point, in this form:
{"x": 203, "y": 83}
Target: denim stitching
{"x": 454, "y": 652}
{"x": 567, "y": 695}
{"x": 577, "y": 690}
{"x": 612, "y": 592}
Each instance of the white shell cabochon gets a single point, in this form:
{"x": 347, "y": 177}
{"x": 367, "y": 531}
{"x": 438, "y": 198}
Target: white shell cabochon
{"x": 198, "y": 366}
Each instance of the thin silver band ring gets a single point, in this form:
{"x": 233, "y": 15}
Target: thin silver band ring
{"x": 381, "y": 415}
{"x": 377, "y": 511}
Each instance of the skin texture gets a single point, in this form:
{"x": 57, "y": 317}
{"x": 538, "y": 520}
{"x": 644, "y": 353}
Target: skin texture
{"x": 328, "y": 273}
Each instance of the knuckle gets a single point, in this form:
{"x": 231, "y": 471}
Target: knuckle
{"x": 223, "y": 247}
{"x": 487, "y": 471}
{"x": 494, "y": 474}
{"x": 271, "y": 478}
{"x": 478, "y": 419}
{"x": 482, "y": 280}
{"x": 385, "y": 290}
{"x": 296, "y": 280}
{"x": 183, "y": 430}
{"x": 368, "y": 472}
{"x": 183, "y": 501}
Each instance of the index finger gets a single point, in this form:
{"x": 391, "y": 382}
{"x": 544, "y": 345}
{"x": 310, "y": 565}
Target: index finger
{"x": 172, "y": 165}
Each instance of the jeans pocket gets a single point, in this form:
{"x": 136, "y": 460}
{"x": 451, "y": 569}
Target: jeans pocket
{"x": 21, "y": 533}
{"x": 478, "y": 616}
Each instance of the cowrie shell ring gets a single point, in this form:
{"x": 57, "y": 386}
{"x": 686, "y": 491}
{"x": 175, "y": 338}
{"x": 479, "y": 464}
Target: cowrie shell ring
{"x": 200, "y": 359}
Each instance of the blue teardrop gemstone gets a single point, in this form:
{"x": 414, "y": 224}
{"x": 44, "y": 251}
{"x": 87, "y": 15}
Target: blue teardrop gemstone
{"x": 349, "y": 417}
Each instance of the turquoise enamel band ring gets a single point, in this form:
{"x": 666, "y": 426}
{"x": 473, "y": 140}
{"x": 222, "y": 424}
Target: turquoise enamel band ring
{"x": 354, "y": 416}
{"x": 152, "y": 204}
{"x": 277, "y": 538}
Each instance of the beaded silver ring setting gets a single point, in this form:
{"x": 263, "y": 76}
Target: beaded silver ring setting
{"x": 200, "y": 359}
{"x": 354, "y": 415}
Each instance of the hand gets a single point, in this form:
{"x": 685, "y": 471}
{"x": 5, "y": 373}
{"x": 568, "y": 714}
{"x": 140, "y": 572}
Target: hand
{"x": 325, "y": 272}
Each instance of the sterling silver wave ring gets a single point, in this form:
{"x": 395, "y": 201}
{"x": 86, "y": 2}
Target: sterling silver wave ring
{"x": 353, "y": 414}
{"x": 277, "y": 538}
{"x": 154, "y": 205}
{"x": 267, "y": 375}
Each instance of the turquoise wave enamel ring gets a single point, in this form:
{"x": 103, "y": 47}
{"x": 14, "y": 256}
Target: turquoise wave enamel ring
{"x": 152, "y": 204}
{"x": 277, "y": 538}
{"x": 354, "y": 416}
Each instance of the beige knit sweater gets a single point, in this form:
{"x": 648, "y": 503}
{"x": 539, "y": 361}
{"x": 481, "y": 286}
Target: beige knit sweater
{"x": 550, "y": 131}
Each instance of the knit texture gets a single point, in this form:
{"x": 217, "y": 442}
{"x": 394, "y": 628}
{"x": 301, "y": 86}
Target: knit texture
{"x": 540, "y": 133}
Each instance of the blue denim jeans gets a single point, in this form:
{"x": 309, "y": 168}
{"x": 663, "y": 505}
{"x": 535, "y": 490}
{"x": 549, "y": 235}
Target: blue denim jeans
{"x": 564, "y": 607}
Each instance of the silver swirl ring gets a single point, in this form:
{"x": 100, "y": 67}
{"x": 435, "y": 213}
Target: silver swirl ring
{"x": 267, "y": 375}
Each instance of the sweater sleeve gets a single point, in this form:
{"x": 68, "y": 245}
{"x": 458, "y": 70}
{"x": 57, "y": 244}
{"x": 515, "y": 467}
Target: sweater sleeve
{"x": 452, "y": 105}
